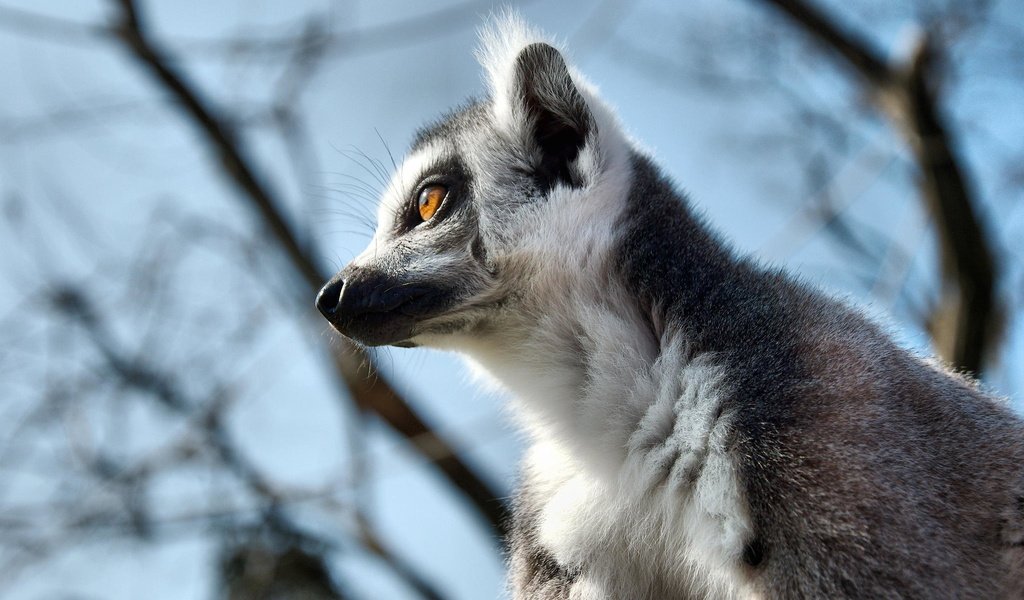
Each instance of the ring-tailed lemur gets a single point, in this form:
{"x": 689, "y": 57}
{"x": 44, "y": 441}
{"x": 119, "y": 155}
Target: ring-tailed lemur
{"x": 701, "y": 426}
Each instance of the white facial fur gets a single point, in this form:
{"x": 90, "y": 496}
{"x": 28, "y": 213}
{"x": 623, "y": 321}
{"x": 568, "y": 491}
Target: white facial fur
{"x": 397, "y": 193}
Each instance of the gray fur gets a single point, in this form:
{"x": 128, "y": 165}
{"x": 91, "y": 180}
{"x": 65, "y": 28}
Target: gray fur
{"x": 700, "y": 426}
{"x": 868, "y": 473}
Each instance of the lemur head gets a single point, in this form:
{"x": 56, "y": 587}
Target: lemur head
{"x": 496, "y": 203}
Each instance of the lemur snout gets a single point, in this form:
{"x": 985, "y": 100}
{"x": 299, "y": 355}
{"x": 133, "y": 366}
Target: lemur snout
{"x": 371, "y": 307}
{"x": 350, "y": 296}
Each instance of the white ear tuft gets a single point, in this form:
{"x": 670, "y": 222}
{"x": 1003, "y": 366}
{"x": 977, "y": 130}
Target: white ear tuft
{"x": 548, "y": 106}
{"x": 501, "y": 40}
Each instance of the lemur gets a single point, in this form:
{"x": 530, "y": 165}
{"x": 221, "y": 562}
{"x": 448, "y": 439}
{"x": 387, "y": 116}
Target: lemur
{"x": 699, "y": 425}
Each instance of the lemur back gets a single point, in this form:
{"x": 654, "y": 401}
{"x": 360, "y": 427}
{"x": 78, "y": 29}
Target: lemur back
{"x": 701, "y": 426}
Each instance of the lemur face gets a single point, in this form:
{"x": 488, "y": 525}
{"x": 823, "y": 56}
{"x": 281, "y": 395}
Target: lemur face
{"x": 426, "y": 266}
{"x": 476, "y": 209}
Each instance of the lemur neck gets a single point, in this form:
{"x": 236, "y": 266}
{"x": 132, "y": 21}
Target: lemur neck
{"x": 571, "y": 373}
{"x": 579, "y": 358}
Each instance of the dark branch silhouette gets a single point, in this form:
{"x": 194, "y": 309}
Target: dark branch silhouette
{"x": 964, "y": 325}
{"x": 286, "y": 574}
{"x": 355, "y": 369}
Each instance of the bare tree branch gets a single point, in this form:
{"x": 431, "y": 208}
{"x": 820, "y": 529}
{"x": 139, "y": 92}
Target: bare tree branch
{"x": 372, "y": 542}
{"x": 353, "y": 366}
{"x": 964, "y": 327}
{"x": 137, "y": 374}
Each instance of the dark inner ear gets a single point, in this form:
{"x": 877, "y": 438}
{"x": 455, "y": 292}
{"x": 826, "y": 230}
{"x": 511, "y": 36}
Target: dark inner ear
{"x": 558, "y": 114}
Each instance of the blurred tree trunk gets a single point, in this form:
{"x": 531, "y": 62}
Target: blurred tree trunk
{"x": 964, "y": 325}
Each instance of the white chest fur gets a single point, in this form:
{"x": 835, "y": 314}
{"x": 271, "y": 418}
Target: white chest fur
{"x": 671, "y": 519}
{"x": 636, "y": 487}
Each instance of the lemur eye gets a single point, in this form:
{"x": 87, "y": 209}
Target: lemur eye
{"x": 430, "y": 200}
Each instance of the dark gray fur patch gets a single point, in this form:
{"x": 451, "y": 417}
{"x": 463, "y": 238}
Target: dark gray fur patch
{"x": 754, "y": 553}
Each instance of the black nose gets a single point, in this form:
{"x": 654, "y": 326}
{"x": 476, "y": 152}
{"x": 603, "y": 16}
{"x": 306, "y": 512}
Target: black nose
{"x": 329, "y": 298}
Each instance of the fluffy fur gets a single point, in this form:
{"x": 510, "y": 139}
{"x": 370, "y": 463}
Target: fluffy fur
{"x": 699, "y": 426}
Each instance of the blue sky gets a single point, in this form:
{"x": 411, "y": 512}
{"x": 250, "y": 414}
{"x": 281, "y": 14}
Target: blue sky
{"x": 117, "y": 173}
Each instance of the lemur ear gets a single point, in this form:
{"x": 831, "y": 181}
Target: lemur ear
{"x": 555, "y": 115}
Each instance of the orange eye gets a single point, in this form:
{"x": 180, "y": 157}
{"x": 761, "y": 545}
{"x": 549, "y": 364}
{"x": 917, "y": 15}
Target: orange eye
{"x": 430, "y": 200}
